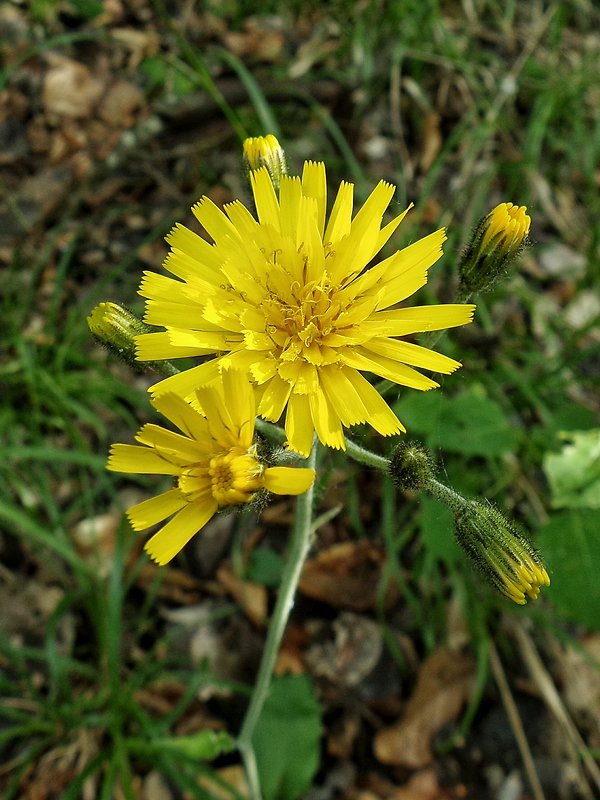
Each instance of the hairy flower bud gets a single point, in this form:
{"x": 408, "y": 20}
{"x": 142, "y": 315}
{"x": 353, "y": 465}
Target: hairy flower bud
{"x": 265, "y": 151}
{"x": 411, "y": 466}
{"x": 497, "y": 240}
{"x": 500, "y": 551}
{"x": 116, "y": 328}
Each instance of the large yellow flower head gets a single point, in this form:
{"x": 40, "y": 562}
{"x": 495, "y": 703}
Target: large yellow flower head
{"x": 290, "y": 299}
{"x": 213, "y": 460}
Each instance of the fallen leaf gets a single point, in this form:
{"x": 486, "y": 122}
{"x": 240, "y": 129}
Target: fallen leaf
{"x": 251, "y": 597}
{"x": 70, "y": 89}
{"x": 445, "y": 683}
{"x": 346, "y": 575}
{"x": 120, "y": 103}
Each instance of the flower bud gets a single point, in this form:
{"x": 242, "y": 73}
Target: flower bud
{"x": 500, "y": 552}
{"x": 116, "y": 328}
{"x": 497, "y": 239}
{"x": 411, "y": 466}
{"x": 265, "y": 151}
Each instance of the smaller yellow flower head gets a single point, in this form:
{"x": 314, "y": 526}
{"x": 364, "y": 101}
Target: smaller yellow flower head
{"x": 265, "y": 151}
{"x": 213, "y": 461}
{"x": 506, "y": 228}
{"x": 501, "y": 552}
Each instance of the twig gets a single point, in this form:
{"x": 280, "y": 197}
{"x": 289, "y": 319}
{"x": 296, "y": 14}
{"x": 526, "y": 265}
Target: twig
{"x": 515, "y": 722}
{"x": 553, "y": 702}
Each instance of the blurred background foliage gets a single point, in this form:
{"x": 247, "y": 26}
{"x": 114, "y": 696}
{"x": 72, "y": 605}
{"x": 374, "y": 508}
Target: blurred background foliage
{"x": 124, "y": 680}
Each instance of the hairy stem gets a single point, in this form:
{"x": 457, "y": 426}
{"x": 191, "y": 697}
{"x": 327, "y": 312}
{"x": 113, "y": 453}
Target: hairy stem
{"x": 299, "y": 546}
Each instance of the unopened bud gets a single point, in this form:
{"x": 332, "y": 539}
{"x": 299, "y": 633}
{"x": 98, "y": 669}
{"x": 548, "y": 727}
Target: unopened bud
{"x": 497, "y": 239}
{"x": 411, "y": 466}
{"x": 500, "y": 551}
{"x": 265, "y": 151}
{"x": 116, "y": 328}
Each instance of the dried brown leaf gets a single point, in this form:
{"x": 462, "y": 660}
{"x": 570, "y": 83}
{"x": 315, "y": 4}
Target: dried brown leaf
{"x": 251, "y": 597}
{"x": 346, "y": 575}
{"x": 444, "y": 685}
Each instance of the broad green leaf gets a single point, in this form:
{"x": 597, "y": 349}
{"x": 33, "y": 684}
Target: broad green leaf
{"x": 574, "y": 473}
{"x": 286, "y": 739}
{"x": 469, "y": 423}
{"x": 570, "y": 546}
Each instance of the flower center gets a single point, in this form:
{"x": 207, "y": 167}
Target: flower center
{"x": 304, "y": 325}
{"x": 235, "y": 477}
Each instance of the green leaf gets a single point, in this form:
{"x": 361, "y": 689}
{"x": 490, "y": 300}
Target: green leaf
{"x": 286, "y": 738}
{"x": 574, "y": 473}
{"x": 570, "y": 546}
{"x": 469, "y": 423}
{"x": 437, "y": 531}
{"x": 265, "y": 567}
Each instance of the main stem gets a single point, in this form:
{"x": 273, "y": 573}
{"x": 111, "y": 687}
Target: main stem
{"x": 298, "y": 551}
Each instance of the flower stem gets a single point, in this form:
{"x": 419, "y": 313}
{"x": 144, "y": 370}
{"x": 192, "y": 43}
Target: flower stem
{"x": 366, "y": 457}
{"x": 452, "y": 499}
{"x": 355, "y": 451}
{"x": 299, "y": 546}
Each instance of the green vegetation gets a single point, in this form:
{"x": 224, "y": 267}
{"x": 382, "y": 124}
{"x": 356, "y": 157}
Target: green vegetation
{"x": 462, "y": 106}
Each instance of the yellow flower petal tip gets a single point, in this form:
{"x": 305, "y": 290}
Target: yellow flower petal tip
{"x": 212, "y": 458}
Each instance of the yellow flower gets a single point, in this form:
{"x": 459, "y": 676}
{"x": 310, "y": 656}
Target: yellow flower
{"x": 291, "y": 300}
{"x": 213, "y": 461}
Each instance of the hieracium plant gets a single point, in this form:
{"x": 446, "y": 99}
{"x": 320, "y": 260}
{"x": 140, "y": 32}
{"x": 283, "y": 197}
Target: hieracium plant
{"x": 290, "y": 318}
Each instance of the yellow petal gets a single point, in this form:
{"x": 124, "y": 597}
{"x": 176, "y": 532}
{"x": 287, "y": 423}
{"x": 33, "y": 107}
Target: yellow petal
{"x": 213, "y": 220}
{"x": 149, "y": 512}
{"x": 238, "y": 395}
{"x": 288, "y": 480}
{"x": 242, "y": 219}
{"x": 327, "y": 423}
{"x": 290, "y": 195}
{"x": 275, "y": 395}
{"x": 412, "y": 354}
{"x": 388, "y": 368}
{"x": 156, "y": 346}
{"x": 381, "y": 417}
{"x": 386, "y": 232}
{"x": 181, "y": 413}
{"x": 173, "y": 446}
{"x": 143, "y": 460}
{"x": 314, "y": 184}
{"x": 299, "y": 426}
{"x": 165, "y": 544}
{"x": 181, "y": 238}
{"x": 185, "y": 382}
{"x": 343, "y": 397}
{"x": 267, "y": 206}
{"x": 417, "y": 319}
{"x": 358, "y": 247}
{"x": 340, "y": 218}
